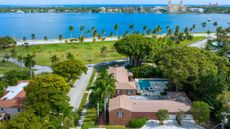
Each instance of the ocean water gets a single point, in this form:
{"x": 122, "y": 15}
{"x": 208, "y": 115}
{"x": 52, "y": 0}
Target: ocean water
{"x": 51, "y": 25}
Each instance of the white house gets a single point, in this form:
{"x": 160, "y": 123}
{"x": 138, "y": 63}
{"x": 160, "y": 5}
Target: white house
{"x": 12, "y": 101}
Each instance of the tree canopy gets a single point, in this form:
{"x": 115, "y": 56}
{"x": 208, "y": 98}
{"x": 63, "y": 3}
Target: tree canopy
{"x": 48, "y": 94}
{"x": 6, "y": 42}
{"x": 70, "y": 69}
{"x": 136, "y": 47}
{"x": 200, "y": 111}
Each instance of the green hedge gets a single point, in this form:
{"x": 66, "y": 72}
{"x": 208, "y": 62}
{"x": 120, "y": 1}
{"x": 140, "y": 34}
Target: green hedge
{"x": 146, "y": 71}
{"x": 137, "y": 123}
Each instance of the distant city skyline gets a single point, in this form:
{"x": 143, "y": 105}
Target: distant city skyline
{"x": 48, "y": 2}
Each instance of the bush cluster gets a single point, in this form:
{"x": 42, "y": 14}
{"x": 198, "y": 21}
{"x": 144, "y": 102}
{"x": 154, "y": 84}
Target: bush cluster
{"x": 137, "y": 123}
{"x": 146, "y": 71}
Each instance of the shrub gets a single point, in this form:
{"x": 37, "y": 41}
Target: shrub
{"x": 13, "y": 76}
{"x": 137, "y": 123}
{"x": 200, "y": 111}
{"x": 179, "y": 117}
{"x": 162, "y": 115}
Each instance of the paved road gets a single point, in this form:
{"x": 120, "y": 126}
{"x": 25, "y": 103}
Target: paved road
{"x": 38, "y": 69}
{"x": 77, "y": 91}
{"x": 202, "y": 43}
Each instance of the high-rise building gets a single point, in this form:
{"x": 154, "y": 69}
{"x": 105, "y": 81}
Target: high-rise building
{"x": 176, "y": 8}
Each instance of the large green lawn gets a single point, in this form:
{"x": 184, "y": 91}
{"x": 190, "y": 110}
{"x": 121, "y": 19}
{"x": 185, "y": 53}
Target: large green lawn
{"x": 87, "y": 52}
{"x": 195, "y": 39}
{"x": 7, "y": 66}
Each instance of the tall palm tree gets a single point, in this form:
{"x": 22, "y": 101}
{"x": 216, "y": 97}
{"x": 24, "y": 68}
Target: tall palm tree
{"x": 13, "y": 52}
{"x": 88, "y": 32}
{"x": 103, "y": 32}
{"x": 204, "y": 24}
{"x": 60, "y": 37}
{"x": 116, "y": 27}
{"x": 208, "y": 33}
{"x": 177, "y": 31}
{"x": 71, "y": 29}
{"x": 45, "y": 38}
{"x": 82, "y": 28}
{"x": 103, "y": 50}
{"x": 54, "y": 59}
{"x": 144, "y": 28}
{"x": 215, "y": 23}
{"x": 95, "y": 34}
{"x": 24, "y": 39}
{"x": 131, "y": 27}
{"x": 20, "y": 60}
{"x": 105, "y": 87}
{"x": 33, "y": 36}
{"x": 159, "y": 29}
{"x": 29, "y": 62}
{"x": 194, "y": 26}
{"x": 111, "y": 34}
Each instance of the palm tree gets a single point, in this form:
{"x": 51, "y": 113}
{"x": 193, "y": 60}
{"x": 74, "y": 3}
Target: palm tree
{"x": 159, "y": 29}
{"x": 177, "y": 31}
{"x": 71, "y": 29}
{"x": 88, "y": 32}
{"x": 208, "y": 33}
{"x": 82, "y": 28}
{"x": 81, "y": 38}
{"x": 33, "y": 36}
{"x": 103, "y": 32}
{"x": 94, "y": 35}
{"x": 13, "y": 52}
{"x": 204, "y": 24}
{"x": 45, "y": 38}
{"x": 69, "y": 56}
{"x": 29, "y": 62}
{"x": 215, "y": 23}
{"x": 103, "y": 50}
{"x": 20, "y": 60}
{"x": 194, "y": 26}
{"x": 131, "y": 27}
{"x": 116, "y": 27}
{"x": 104, "y": 86}
{"x": 111, "y": 34}
{"x": 54, "y": 59}
{"x": 169, "y": 32}
{"x": 60, "y": 37}
{"x": 144, "y": 28}
{"x": 24, "y": 39}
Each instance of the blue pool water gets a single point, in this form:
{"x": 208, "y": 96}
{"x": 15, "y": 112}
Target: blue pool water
{"x": 52, "y": 24}
{"x": 152, "y": 84}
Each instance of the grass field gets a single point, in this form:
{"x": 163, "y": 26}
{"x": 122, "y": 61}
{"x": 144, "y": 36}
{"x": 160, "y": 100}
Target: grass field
{"x": 7, "y": 66}
{"x": 86, "y": 52}
{"x": 195, "y": 39}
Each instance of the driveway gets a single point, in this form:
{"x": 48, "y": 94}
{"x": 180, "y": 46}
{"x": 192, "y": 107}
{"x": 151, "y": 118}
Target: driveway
{"x": 171, "y": 124}
{"x": 77, "y": 91}
{"x": 38, "y": 69}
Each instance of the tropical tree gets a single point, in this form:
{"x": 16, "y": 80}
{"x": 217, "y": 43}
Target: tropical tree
{"x": 50, "y": 91}
{"x": 116, "y": 27}
{"x": 6, "y": 42}
{"x": 215, "y": 23}
{"x": 131, "y": 27}
{"x": 70, "y": 69}
{"x": 69, "y": 56}
{"x": 29, "y": 62}
{"x": 103, "y": 50}
{"x": 24, "y": 39}
{"x": 54, "y": 59}
{"x": 81, "y": 38}
{"x": 45, "y": 38}
{"x": 71, "y": 29}
{"x": 111, "y": 34}
{"x": 33, "y": 36}
{"x": 145, "y": 28}
{"x": 158, "y": 29}
{"x": 200, "y": 111}
{"x": 13, "y": 52}
{"x": 204, "y": 24}
{"x": 60, "y": 37}
{"x": 194, "y": 26}
{"x": 104, "y": 86}
{"x": 136, "y": 47}
{"x": 82, "y": 28}
{"x": 88, "y": 32}
{"x": 20, "y": 60}
{"x": 162, "y": 115}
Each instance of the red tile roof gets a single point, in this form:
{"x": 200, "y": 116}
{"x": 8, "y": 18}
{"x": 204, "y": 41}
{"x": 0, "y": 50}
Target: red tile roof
{"x": 16, "y": 102}
{"x": 124, "y": 102}
{"x": 122, "y": 76}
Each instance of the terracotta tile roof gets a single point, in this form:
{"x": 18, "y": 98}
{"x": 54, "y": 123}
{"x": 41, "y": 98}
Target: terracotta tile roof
{"x": 16, "y": 102}
{"x": 125, "y": 102}
{"x": 14, "y": 95}
{"x": 122, "y": 76}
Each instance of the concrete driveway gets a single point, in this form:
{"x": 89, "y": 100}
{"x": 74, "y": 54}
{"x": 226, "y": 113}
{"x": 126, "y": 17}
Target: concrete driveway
{"x": 77, "y": 91}
{"x": 171, "y": 124}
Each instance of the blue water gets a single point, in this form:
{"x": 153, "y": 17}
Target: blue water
{"x": 143, "y": 84}
{"x": 52, "y": 24}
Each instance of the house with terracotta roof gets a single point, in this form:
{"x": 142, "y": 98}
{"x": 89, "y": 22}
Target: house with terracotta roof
{"x": 124, "y": 108}
{"x": 125, "y": 84}
{"x": 12, "y": 100}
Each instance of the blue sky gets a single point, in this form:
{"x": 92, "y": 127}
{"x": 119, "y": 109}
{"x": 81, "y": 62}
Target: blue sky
{"x": 38, "y": 2}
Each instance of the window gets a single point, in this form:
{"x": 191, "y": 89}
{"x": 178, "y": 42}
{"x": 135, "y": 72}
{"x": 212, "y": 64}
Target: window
{"x": 129, "y": 92}
{"x": 120, "y": 114}
{"x": 118, "y": 92}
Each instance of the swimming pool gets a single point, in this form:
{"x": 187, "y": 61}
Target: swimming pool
{"x": 152, "y": 84}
